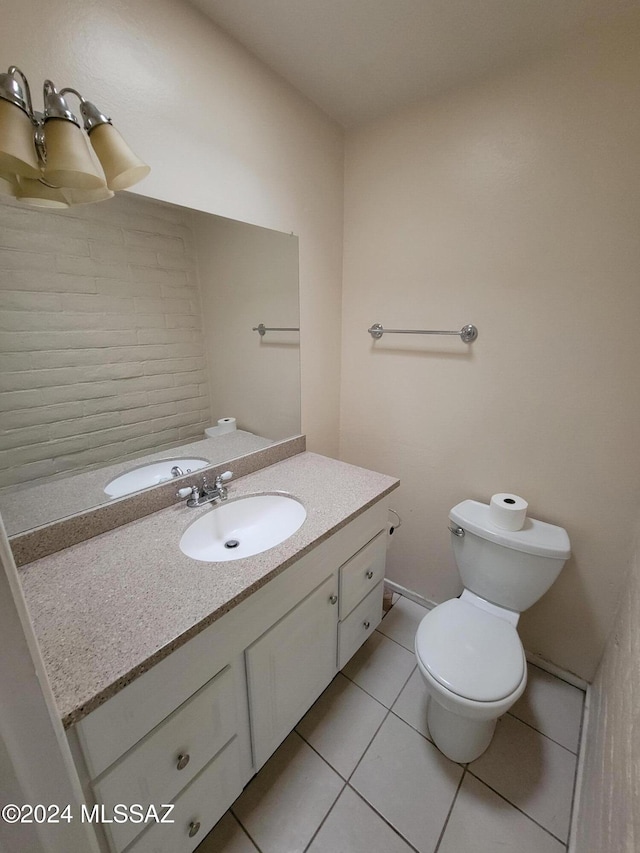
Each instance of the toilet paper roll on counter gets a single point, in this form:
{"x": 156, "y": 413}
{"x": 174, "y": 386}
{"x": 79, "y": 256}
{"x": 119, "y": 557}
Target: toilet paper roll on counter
{"x": 225, "y": 425}
{"x": 508, "y": 511}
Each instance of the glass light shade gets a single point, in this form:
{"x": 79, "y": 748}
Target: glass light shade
{"x": 121, "y": 166}
{"x": 17, "y": 146}
{"x": 87, "y": 196}
{"x": 71, "y": 161}
{"x": 40, "y": 195}
{"x": 8, "y": 185}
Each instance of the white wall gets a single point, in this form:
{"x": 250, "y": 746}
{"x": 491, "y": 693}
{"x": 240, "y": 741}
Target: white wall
{"x": 608, "y": 817}
{"x": 221, "y": 132}
{"x": 513, "y": 204}
{"x": 248, "y": 276}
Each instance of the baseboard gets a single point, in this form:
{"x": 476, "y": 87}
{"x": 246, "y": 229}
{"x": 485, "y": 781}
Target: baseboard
{"x": 551, "y": 668}
{"x": 407, "y": 593}
{"x": 577, "y": 790}
{"x": 546, "y": 665}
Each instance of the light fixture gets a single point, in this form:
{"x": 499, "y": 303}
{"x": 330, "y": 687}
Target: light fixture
{"x": 49, "y": 159}
{"x": 8, "y": 185}
{"x": 39, "y": 194}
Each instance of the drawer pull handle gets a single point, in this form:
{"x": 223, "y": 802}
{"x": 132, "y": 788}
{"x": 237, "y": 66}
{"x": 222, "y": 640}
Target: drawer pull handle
{"x": 333, "y": 599}
{"x": 194, "y": 828}
{"x": 183, "y": 760}
{"x": 369, "y": 574}
{"x": 367, "y": 624}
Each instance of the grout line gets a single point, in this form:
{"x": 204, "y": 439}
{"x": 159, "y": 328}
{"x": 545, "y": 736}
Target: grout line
{"x": 453, "y": 802}
{"x": 368, "y": 745}
{"x": 397, "y": 642}
{"x": 371, "y": 694}
{"x": 244, "y": 829}
{"x": 383, "y": 818}
{"x": 324, "y": 760}
{"x": 378, "y": 729}
{"x": 417, "y": 731}
{"x": 305, "y": 741}
{"x": 522, "y": 811}
{"x": 322, "y": 822}
{"x": 320, "y": 755}
{"x": 548, "y": 737}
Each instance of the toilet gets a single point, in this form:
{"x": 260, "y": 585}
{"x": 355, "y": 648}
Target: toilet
{"x": 468, "y": 649}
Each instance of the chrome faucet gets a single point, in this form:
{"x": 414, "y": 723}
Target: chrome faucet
{"x": 208, "y": 494}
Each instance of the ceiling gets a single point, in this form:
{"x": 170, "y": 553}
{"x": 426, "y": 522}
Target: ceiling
{"x": 360, "y": 59}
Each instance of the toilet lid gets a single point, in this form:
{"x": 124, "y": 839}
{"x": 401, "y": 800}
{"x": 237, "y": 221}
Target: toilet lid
{"x": 473, "y": 653}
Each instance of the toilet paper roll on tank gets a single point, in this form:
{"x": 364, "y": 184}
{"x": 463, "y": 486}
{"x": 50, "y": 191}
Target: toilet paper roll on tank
{"x": 508, "y": 511}
{"x": 224, "y": 426}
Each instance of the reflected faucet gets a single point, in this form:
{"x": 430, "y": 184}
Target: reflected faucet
{"x": 209, "y": 494}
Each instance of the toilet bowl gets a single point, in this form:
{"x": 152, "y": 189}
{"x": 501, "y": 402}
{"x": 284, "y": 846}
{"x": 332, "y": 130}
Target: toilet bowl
{"x": 468, "y": 649}
{"x": 474, "y": 668}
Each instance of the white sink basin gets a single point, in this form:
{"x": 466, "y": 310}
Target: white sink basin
{"x": 242, "y": 527}
{"x": 151, "y": 475}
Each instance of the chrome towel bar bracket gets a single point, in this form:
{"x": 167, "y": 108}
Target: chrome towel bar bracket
{"x": 261, "y": 329}
{"x": 467, "y": 334}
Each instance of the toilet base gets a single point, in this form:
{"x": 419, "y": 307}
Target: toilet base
{"x": 459, "y": 738}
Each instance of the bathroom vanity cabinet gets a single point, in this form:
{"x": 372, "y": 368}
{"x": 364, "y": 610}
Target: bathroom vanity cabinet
{"x": 193, "y": 729}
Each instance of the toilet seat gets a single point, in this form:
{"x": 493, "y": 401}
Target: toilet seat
{"x": 470, "y": 652}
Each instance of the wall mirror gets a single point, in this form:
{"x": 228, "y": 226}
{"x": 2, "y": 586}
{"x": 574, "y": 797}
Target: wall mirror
{"x": 126, "y": 330}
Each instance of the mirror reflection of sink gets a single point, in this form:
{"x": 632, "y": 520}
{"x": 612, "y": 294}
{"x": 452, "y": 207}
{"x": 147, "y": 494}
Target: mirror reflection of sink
{"x": 151, "y": 475}
{"x": 242, "y": 527}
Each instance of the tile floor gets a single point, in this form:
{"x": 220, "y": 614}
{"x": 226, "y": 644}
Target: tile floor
{"x": 360, "y": 775}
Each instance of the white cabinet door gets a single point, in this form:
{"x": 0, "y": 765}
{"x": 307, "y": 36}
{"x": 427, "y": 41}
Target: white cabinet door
{"x": 290, "y": 666}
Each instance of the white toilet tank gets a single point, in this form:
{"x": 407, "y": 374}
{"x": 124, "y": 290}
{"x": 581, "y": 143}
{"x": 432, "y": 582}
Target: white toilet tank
{"x": 512, "y": 569}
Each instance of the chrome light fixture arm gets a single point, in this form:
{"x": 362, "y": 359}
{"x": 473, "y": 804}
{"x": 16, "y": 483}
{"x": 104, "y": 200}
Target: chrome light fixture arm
{"x": 91, "y": 115}
{"x": 11, "y": 91}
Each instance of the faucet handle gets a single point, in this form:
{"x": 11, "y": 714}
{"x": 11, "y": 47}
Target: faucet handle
{"x": 223, "y": 478}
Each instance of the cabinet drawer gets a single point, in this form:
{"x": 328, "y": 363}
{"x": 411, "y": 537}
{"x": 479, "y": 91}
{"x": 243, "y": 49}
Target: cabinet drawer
{"x": 362, "y": 622}
{"x": 205, "y": 801}
{"x": 151, "y": 773}
{"x": 361, "y": 573}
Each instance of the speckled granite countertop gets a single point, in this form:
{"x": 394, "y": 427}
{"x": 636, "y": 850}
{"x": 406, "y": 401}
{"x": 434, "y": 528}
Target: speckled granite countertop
{"x": 108, "y": 609}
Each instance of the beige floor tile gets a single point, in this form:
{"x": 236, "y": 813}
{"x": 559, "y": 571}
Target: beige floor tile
{"x": 354, "y": 827}
{"x": 551, "y": 706}
{"x": 482, "y": 822}
{"x": 401, "y": 622}
{"x": 285, "y": 803}
{"x": 341, "y": 724}
{"x": 227, "y": 836}
{"x": 532, "y": 772}
{"x": 406, "y": 779}
{"x": 381, "y": 667}
{"x": 411, "y": 704}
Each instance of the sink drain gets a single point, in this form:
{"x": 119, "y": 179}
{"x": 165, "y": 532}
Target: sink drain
{"x": 231, "y": 543}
